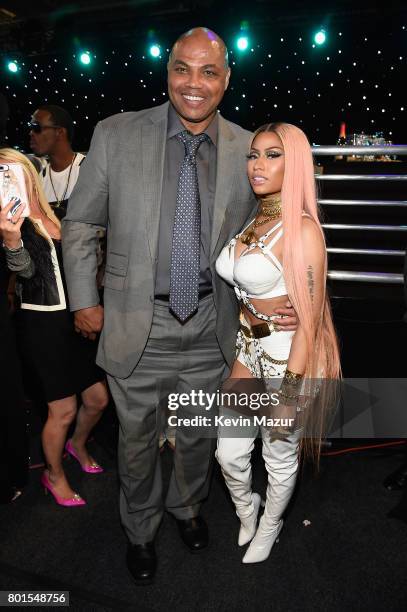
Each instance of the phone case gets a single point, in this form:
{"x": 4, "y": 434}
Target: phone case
{"x": 12, "y": 186}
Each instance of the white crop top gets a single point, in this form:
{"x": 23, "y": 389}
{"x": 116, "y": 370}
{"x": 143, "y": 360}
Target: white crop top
{"x": 259, "y": 275}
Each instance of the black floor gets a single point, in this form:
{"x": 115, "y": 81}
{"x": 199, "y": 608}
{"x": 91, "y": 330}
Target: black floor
{"x": 351, "y": 556}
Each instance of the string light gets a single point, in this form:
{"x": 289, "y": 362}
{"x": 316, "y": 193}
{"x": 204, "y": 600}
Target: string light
{"x": 85, "y": 58}
{"x": 266, "y": 70}
{"x": 242, "y": 43}
{"x": 12, "y": 67}
{"x": 155, "y": 51}
{"x": 320, "y": 37}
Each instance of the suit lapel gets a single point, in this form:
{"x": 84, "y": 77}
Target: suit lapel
{"x": 153, "y": 156}
{"x": 225, "y": 179}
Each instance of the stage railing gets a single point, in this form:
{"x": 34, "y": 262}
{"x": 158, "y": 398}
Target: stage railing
{"x": 352, "y": 275}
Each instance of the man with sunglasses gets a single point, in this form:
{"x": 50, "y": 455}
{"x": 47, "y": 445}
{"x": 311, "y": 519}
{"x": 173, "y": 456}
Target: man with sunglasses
{"x": 51, "y": 134}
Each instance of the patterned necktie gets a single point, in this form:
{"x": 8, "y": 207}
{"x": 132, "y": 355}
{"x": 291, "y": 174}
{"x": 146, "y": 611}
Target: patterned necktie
{"x": 186, "y": 237}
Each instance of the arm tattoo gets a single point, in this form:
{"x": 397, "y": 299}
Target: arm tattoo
{"x": 310, "y": 276}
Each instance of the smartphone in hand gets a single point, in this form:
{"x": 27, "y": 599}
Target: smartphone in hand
{"x": 17, "y": 203}
{"x": 12, "y": 188}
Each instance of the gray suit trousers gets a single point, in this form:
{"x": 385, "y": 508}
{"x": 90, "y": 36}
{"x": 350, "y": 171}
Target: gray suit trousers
{"x": 177, "y": 359}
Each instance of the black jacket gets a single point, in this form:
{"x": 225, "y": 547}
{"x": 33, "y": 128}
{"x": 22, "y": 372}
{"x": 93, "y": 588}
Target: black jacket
{"x": 44, "y": 290}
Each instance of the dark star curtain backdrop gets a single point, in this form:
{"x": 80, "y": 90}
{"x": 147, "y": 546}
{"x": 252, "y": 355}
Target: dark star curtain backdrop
{"x": 357, "y": 76}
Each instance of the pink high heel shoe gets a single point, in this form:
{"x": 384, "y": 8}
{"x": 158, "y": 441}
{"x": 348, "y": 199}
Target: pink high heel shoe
{"x": 76, "y": 500}
{"x": 93, "y": 468}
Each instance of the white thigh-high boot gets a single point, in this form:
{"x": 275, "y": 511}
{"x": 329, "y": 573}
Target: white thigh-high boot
{"x": 233, "y": 455}
{"x": 281, "y": 459}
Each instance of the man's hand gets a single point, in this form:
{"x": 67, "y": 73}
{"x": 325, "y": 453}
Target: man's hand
{"x": 89, "y": 321}
{"x": 290, "y": 321}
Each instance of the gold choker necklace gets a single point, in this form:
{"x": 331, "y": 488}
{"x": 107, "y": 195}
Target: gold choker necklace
{"x": 270, "y": 208}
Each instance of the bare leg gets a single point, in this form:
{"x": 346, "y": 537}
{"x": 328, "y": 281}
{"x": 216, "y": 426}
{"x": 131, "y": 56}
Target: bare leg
{"x": 61, "y": 413}
{"x": 95, "y": 400}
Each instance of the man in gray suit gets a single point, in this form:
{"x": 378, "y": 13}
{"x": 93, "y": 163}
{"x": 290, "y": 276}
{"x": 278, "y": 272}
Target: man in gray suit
{"x": 169, "y": 184}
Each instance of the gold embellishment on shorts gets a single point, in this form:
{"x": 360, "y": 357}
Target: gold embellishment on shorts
{"x": 275, "y": 361}
{"x": 254, "y": 357}
{"x": 261, "y": 330}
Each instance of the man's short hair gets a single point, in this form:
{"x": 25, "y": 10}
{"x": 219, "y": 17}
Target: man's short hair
{"x": 211, "y": 35}
{"x": 60, "y": 117}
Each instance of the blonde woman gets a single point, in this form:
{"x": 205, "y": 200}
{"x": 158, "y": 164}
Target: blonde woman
{"x": 62, "y": 361}
{"x": 281, "y": 254}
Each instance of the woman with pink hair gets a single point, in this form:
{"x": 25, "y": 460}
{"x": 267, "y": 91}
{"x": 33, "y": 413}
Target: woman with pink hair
{"x": 281, "y": 254}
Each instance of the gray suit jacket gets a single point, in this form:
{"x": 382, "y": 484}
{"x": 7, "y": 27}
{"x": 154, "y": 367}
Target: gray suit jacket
{"x": 119, "y": 188}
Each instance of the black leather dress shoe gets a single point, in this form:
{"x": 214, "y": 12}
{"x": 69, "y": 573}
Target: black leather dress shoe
{"x": 142, "y": 562}
{"x": 194, "y": 533}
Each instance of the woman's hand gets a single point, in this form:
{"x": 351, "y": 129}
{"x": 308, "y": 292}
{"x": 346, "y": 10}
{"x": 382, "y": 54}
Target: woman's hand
{"x": 10, "y": 229}
{"x": 89, "y": 321}
{"x": 289, "y": 322}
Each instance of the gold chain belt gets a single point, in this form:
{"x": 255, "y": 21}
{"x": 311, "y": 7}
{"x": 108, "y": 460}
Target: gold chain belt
{"x": 260, "y": 330}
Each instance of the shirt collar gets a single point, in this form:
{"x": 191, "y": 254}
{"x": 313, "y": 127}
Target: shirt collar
{"x": 175, "y": 125}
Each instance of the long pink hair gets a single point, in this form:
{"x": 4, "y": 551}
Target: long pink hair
{"x": 298, "y": 195}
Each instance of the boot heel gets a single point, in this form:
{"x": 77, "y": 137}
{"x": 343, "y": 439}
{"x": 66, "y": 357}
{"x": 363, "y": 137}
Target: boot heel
{"x": 262, "y": 543}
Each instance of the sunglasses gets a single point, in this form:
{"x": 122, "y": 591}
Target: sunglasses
{"x": 37, "y": 128}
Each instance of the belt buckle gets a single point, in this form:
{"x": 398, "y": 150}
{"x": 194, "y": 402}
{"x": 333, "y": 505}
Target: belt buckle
{"x": 261, "y": 330}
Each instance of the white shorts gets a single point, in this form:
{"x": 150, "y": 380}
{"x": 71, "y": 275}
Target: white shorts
{"x": 265, "y": 357}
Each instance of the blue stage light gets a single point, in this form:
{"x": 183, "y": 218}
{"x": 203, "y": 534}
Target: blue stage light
{"x": 320, "y": 37}
{"x": 85, "y": 58}
{"x": 242, "y": 43}
{"x": 155, "y": 51}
